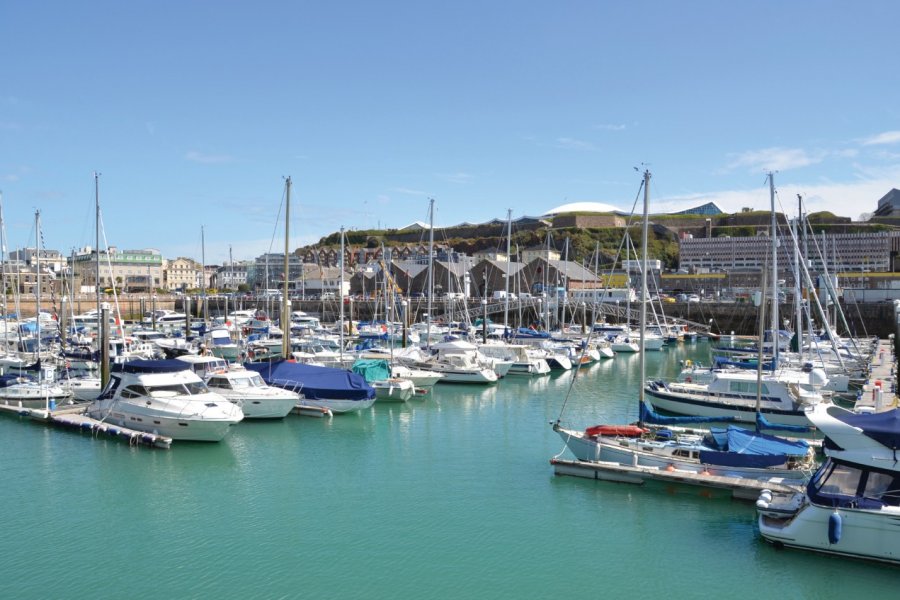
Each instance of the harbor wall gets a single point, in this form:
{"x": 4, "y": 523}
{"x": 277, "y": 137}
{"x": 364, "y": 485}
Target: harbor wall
{"x": 872, "y": 319}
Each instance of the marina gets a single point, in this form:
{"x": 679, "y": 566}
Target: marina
{"x": 456, "y": 485}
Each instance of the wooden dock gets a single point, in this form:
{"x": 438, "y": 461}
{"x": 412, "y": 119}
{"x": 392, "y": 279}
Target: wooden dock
{"x": 73, "y": 417}
{"x": 744, "y": 489}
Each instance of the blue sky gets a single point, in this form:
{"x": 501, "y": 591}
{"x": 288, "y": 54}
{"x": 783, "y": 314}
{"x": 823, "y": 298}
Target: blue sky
{"x": 193, "y": 113}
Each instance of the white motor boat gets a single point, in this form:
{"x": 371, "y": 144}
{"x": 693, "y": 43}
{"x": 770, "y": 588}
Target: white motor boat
{"x": 851, "y": 507}
{"x": 218, "y": 340}
{"x": 421, "y": 378}
{"x": 248, "y": 390}
{"x": 523, "y": 358}
{"x": 165, "y": 319}
{"x": 624, "y": 344}
{"x": 785, "y": 395}
{"x": 394, "y": 389}
{"x": 28, "y": 392}
{"x": 167, "y": 398}
{"x": 459, "y": 362}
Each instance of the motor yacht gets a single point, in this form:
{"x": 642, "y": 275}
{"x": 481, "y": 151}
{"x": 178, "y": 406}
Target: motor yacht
{"x": 167, "y": 398}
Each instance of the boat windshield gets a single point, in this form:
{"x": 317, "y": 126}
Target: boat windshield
{"x": 845, "y": 485}
{"x": 176, "y": 389}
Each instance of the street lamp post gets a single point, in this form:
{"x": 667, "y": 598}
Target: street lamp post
{"x": 484, "y": 320}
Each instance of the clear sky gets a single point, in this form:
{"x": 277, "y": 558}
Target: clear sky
{"x": 194, "y": 112}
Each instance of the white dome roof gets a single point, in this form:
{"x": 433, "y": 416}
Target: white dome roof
{"x": 597, "y": 207}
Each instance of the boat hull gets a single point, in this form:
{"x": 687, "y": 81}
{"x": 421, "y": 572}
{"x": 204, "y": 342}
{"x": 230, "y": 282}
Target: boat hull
{"x": 869, "y": 534}
{"x": 184, "y": 429}
{"x": 339, "y": 406}
{"x": 741, "y": 412}
{"x": 393, "y": 391}
{"x": 625, "y": 452}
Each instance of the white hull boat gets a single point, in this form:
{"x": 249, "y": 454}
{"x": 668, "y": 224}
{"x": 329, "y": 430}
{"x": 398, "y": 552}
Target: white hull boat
{"x": 851, "y": 507}
{"x": 248, "y": 390}
{"x": 394, "y": 389}
{"x": 165, "y": 398}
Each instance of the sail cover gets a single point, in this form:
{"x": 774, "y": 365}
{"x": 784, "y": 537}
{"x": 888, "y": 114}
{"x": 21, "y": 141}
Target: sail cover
{"x": 750, "y": 449}
{"x": 648, "y": 415}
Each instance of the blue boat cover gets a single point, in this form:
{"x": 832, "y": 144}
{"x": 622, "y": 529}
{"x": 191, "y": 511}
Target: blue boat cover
{"x": 373, "y": 369}
{"x": 524, "y": 333}
{"x": 316, "y": 383}
{"x": 14, "y": 378}
{"x": 744, "y": 448}
{"x": 883, "y": 427}
{"x": 150, "y": 366}
{"x": 744, "y": 441}
{"x": 763, "y": 423}
{"x": 648, "y": 415}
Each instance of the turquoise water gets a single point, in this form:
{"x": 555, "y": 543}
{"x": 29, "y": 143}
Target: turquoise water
{"x": 449, "y": 497}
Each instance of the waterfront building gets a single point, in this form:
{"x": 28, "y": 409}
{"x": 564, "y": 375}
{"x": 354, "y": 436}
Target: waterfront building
{"x": 128, "y": 270}
{"x": 840, "y": 252}
{"x": 230, "y": 277}
{"x": 50, "y": 260}
{"x": 181, "y": 274}
{"x": 889, "y": 204}
{"x": 266, "y": 272}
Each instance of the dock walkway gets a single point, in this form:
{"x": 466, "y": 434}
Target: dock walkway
{"x": 883, "y": 375}
{"x": 73, "y": 417}
{"x": 745, "y": 489}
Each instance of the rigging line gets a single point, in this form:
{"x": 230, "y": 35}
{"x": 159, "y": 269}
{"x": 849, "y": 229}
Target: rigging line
{"x": 277, "y": 219}
{"x": 829, "y": 287}
{"x": 109, "y": 266}
{"x": 591, "y": 332}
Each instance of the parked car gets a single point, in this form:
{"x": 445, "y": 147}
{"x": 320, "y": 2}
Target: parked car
{"x": 693, "y": 298}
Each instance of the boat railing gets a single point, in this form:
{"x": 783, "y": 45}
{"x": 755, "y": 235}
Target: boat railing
{"x": 287, "y": 384}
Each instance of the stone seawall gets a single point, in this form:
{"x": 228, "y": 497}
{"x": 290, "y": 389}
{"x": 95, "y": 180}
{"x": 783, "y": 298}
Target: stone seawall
{"x": 873, "y": 319}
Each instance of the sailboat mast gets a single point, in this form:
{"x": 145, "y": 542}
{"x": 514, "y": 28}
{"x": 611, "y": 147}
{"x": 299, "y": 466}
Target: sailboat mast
{"x": 760, "y": 354}
{"x": 205, "y": 309}
{"x": 508, "y": 266}
{"x": 431, "y": 271}
{"x": 798, "y": 286}
{"x": 644, "y": 284}
{"x": 341, "y": 299}
{"x": 774, "y": 273}
{"x": 285, "y": 302}
{"x": 3, "y": 277}
{"x": 37, "y": 289}
{"x": 97, "y": 239}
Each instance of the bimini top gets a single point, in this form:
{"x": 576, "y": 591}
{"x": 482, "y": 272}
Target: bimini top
{"x": 150, "y": 366}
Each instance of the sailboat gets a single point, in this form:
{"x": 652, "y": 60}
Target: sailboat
{"x": 787, "y": 393}
{"x": 730, "y": 452}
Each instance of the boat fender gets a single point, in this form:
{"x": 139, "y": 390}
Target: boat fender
{"x": 834, "y": 528}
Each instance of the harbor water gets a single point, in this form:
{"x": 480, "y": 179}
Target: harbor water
{"x": 449, "y": 496}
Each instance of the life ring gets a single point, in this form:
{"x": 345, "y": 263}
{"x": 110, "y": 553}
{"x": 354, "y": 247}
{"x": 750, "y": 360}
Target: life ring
{"x": 687, "y": 379}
